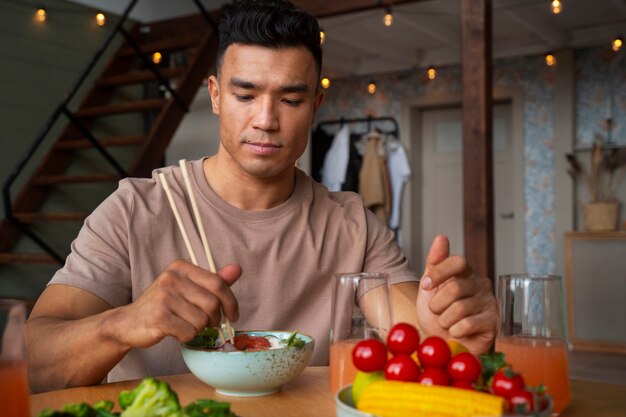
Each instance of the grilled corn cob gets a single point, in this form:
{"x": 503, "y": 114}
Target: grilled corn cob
{"x": 402, "y": 399}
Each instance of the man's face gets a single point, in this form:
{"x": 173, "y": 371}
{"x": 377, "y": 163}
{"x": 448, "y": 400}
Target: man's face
{"x": 266, "y": 99}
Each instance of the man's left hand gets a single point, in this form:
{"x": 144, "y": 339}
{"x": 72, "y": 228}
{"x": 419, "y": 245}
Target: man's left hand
{"x": 453, "y": 303}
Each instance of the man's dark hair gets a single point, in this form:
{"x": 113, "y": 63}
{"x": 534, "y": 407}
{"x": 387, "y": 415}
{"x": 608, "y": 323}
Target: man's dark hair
{"x": 270, "y": 23}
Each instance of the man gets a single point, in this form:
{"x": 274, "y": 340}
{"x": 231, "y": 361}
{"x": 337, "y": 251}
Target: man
{"x": 125, "y": 300}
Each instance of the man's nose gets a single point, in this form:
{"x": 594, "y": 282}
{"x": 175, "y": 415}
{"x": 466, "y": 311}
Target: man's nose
{"x": 266, "y": 117}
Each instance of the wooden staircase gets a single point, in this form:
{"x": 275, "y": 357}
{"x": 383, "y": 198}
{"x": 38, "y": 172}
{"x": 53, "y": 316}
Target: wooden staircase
{"x": 147, "y": 117}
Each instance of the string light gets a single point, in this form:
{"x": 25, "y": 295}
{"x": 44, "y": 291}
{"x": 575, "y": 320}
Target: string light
{"x": 388, "y": 19}
{"x": 325, "y": 82}
{"x": 41, "y": 15}
{"x": 550, "y": 59}
{"x": 617, "y": 43}
{"x": 100, "y": 19}
{"x": 557, "y": 7}
{"x": 322, "y": 37}
{"x": 431, "y": 72}
{"x": 371, "y": 87}
{"x": 157, "y": 57}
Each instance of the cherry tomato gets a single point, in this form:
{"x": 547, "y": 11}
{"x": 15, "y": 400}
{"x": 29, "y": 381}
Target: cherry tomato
{"x": 463, "y": 385}
{"x": 402, "y": 368}
{"x": 464, "y": 367}
{"x": 369, "y": 355}
{"x": 522, "y": 402}
{"x": 434, "y": 376}
{"x": 506, "y": 382}
{"x": 434, "y": 352}
{"x": 403, "y": 338}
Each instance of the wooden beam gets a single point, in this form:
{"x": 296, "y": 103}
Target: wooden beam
{"x": 326, "y": 8}
{"x": 477, "y": 136}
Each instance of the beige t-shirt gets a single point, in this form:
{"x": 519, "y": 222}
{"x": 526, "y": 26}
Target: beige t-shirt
{"x": 288, "y": 255}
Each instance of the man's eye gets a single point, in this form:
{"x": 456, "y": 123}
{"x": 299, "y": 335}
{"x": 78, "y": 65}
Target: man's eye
{"x": 243, "y": 97}
{"x": 292, "y": 102}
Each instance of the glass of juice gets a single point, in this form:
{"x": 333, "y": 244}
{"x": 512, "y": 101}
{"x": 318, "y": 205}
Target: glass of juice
{"x": 13, "y": 376}
{"x": 532, "y": 332}
{"x": 361, "y": 309}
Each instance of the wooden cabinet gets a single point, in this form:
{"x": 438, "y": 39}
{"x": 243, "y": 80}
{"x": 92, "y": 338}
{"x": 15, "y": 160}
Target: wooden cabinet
{"x": 595, "y": 284}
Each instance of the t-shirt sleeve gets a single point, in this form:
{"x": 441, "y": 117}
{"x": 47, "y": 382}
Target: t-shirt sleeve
{"x": 99, "y": 261}
{"x": 383, "y": 253}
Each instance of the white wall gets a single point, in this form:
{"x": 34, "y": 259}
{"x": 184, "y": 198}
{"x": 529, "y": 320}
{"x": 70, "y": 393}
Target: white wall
{"x": 198, "y": 134}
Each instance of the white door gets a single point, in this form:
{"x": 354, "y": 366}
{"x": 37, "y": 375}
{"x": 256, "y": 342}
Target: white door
{"x": 442, "y": 182}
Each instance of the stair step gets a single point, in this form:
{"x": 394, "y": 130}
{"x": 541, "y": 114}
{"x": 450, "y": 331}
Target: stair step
{"x": 30, "y": 218}
{"x": 135, "y": 106}
{"x": 26, "y": 258}
{"x": 74, "y": 179}
{"x": 164, "y": 45}
{"x": 72, "y": 144}
{"x": 140, "y": 76}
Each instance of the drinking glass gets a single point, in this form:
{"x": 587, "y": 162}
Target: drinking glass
{"x": 361, "y": 309}
{"x": 532, "y": 332}
{"x": 13, "y": 377}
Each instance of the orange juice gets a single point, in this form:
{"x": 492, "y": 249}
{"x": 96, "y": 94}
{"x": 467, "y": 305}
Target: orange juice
{"x": 13, "y": 389}
{"x": 342, "y": 370}
{"x": 540, "y": 360}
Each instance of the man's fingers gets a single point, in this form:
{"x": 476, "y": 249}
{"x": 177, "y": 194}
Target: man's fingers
{"x": 439, "y": 251}
{"x": 453, "y": 266}
{"x": 483, "y": 323}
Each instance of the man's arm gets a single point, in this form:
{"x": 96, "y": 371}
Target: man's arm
{"x": 70, "y": 339}
{"x": 76, "y": 338}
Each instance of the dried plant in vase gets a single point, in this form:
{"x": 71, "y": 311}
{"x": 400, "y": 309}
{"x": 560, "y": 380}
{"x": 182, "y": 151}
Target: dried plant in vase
{"x": 606, "y": 170}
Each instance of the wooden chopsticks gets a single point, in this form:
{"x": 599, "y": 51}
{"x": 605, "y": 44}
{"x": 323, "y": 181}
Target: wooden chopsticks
{"x": 205, "y": 244}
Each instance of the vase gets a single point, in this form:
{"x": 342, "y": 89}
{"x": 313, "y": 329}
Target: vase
{"x": 601, "y": 216}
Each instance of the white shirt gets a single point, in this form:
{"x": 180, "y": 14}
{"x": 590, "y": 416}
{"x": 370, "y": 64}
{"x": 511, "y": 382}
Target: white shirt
{"x": 336, "y": 160}
{"x": 399, "y": 173}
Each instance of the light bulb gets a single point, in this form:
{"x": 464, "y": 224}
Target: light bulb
{"x": 617, "y": 43}
{"x": 557, "y": 7}
{"x": 431, "y": 72}
{"x": 322, "y": 37}
{"x": 388, "y": 19}
{"x": 325, "y": 82}
{"x": 100, "y": 19}
{"x": 550, "y": 59}
{"x": 371, "y": 87}
{"x": 41, "y": 15}
{"x": 157, "y": 57}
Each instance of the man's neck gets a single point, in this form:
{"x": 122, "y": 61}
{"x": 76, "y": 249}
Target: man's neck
{"x": 245, "y": 191}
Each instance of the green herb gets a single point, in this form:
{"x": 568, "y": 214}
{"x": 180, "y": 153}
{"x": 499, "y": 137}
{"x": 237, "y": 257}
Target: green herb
{"x": 206, "y": 339}
{"x": 294, "y": 341}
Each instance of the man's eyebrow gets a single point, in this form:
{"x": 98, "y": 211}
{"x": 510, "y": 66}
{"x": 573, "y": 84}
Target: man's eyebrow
{"x": 249, "y": 85}
{"x": 295, "y": 88}
{"x": 239, "y": 83}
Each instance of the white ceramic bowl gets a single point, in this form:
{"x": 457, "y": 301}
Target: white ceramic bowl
{"x": 242, "y": 373}
{"x": 344, "y": 406}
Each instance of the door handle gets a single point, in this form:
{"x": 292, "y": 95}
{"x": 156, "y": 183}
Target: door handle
{"x": 508, "y": 215}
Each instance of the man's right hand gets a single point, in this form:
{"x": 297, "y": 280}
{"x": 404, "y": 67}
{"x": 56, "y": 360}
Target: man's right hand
{"x": 183, "y": 300}
{"x": 75, "y": 338}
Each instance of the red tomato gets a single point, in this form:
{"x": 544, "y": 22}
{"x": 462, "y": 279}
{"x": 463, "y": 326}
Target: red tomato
{"x": 402, "y": 368}
{"x": 464, "y": 367}
{"x": 507, "y": 382}
{"x": 369, "y": 355}
{"x": 434, "y": 352}
{"x": 434, "y": 376}
{"x": 463, "y": 385}
{"x": 522, "y": 402}
{"x": 403, "y": 338}
{"x": 251, "y": 343}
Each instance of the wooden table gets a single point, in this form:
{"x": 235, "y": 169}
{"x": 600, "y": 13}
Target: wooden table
{"x": 307, "y": 395}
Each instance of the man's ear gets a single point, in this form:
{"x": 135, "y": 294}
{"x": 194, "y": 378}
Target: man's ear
{"x": 214, "y": 92}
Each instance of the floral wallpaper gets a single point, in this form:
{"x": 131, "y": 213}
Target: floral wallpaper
{"x": 595, "y": 80}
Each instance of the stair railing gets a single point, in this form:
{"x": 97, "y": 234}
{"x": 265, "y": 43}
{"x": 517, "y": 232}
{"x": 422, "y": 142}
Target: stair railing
{"x": 63, "y": 109}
